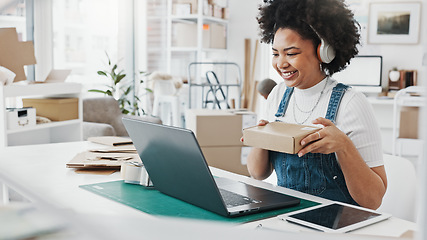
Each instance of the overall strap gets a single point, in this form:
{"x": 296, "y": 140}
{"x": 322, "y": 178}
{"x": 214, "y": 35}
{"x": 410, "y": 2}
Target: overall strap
{"x": 285, "y": 102}
{"x": 335, "y": 100}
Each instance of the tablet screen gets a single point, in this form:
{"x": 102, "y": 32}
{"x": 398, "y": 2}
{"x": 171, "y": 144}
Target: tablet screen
{"x": 335, "y": 216}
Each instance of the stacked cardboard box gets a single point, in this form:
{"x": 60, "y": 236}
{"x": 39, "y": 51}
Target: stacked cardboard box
{"x": 179, "y": 5}
{"x": 218, "y": 133}
{"x": 185, "y": 35}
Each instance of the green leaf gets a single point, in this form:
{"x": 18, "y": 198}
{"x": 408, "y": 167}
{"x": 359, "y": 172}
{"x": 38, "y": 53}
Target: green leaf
{"x": 102, "y": 73}
{"x": 119, "y": 78}
{"x": 98, "y": 91}
{"x": 127, "y": 91}
{"x": 108, "y": 57}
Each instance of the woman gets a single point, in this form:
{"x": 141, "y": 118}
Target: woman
{"x": 343, "y": 161}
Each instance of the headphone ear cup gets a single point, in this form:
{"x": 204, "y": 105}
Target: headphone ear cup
{"x": 325, "y": 52}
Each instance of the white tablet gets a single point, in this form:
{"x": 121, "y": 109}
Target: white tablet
{"x": 335, "y": 217}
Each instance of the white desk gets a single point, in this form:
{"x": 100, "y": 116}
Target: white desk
{"x": 40, "y": 170}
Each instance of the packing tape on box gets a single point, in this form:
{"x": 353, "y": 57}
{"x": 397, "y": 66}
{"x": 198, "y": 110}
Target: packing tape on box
{"x": 135, "y": 173}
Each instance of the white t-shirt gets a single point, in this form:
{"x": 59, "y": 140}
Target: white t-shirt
{"x": 355, "y": 115}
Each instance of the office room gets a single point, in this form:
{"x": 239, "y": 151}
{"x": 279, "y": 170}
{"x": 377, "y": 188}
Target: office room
{"x": 142, "y": 114}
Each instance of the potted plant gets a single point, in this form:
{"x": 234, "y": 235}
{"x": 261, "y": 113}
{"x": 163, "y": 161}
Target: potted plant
{"x": 122, "y": 89}
{"x": 394, "y": 74}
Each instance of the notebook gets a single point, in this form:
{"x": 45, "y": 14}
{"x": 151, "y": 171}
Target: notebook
{"x": 177, "y": 167}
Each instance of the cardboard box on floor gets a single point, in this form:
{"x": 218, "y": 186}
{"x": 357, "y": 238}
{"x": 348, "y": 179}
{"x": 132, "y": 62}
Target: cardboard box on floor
{"x": 277, "y": 136}
{"x": 232, "y": 158}
{"x": 218, "y": 128}
{"x": 218, "y": 133}
{"x": 409, "y": 122}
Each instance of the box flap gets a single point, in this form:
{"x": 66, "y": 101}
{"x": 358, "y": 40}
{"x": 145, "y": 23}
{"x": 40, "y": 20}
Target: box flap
{"x": 285, "y": 129}
{"x": 209, "y": 112}
{"x": 15, "y": 54}
{"x": 57, "y": 75}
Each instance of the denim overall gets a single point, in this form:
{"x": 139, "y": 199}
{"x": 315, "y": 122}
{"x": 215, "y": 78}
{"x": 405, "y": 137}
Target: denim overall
{"x": 314, "y": 173}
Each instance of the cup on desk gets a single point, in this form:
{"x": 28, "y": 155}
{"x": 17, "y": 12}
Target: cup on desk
{"x": 135, "y": 173}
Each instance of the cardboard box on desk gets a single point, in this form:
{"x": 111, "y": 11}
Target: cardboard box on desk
{"x": 218, "y": 128}
{"x": 277, "y": 136}
{"x": 56, "y": 109}
{"x": 232, "y": 159}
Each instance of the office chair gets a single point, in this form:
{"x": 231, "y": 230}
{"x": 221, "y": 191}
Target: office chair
{"x": 399, "y": 199}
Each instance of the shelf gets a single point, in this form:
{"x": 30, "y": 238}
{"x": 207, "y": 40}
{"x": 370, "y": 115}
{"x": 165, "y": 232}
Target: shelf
{"x": 411, "y": 101}
{"x": 195, "y": 17}
{"x": 58, "y": 131}
{"x": 381, "y": 100}
{"x": 217, "y": 85}
{"x": 194, "y": 49}
{"x": 409, "y": 147}
{"x": 44, "y": 126}
{"x": 183, "y": 49}
{"x": 15, "y": 90}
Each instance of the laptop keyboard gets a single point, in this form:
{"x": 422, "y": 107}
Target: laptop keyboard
{"x": 232, "y": 199}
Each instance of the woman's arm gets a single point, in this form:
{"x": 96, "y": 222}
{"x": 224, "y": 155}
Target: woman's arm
{"x": 258, "y": 164}
{"x": 366, "y": 185}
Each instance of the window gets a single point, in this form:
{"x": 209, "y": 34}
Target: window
{"x": 13, "y": 14}
{"x": 84, "y": 31}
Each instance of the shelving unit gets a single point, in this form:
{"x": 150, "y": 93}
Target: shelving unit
{"x": 58, "y": 131}
{"x": 196, "y": 53}
{"x": 214, "y": 87}
{"x": 406, "y": 98}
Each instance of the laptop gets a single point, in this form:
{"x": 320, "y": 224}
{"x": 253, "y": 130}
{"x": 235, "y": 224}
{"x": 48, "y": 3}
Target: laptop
{"x": 177, "y": 167}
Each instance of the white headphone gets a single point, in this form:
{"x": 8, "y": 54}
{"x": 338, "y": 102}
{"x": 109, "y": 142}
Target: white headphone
{"x": 325, "y": 52}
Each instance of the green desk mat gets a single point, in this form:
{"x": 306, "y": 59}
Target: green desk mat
{"x": 153, "y": 202}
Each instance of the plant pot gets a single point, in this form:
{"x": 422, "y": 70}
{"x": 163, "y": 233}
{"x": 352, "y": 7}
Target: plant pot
{"x": 394, "y": 76}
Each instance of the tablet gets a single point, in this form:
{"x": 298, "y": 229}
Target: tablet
{"x": 335, "y": 217}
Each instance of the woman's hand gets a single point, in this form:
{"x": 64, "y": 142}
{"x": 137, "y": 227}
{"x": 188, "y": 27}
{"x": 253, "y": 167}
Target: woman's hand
{"x": 327, "y": 140}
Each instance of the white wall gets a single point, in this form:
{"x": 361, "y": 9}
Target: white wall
{"x": 243, "y": 24}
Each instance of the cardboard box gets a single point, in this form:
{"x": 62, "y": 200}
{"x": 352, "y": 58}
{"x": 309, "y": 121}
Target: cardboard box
{"x": 277, "y": 136}
{"x": 218, "y": 36}
{"x": 14, "y": 54}
{"x": 20, "y": 117}
{"x": 215, "y": 128}
{"x": 181, "y": 9}
{"x": 193, "y": 3}
{"x": 409, "y": 122}
{"x": 232, "y": 159}
{"x": 217, "y": 11}
{"x": 56, "y": 109}
{"x": 185, "y": 35}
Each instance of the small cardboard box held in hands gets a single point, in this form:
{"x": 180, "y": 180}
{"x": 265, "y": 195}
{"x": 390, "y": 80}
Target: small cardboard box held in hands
{"x": 277, "y": 136}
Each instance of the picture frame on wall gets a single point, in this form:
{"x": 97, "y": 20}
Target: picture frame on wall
{"x": 394, "y": 22}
